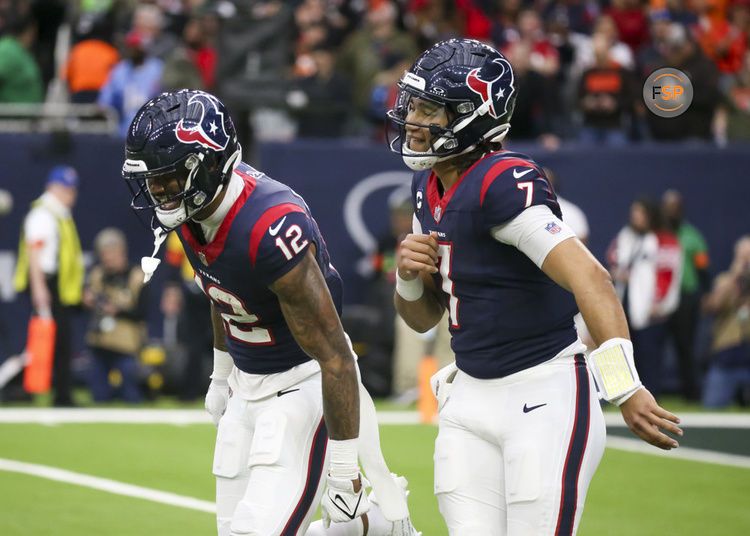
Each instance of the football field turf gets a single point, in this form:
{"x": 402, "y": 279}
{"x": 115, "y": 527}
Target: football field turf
{"x": 632, "y": 493}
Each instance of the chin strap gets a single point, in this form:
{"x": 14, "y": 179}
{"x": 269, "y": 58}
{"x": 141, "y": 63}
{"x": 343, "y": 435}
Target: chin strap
{"x": 150, "y": 264}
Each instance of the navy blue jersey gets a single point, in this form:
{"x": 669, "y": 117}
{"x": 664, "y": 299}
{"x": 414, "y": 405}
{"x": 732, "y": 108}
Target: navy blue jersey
{"x": 266, "y": 233}
{"x": 506, "y": 315}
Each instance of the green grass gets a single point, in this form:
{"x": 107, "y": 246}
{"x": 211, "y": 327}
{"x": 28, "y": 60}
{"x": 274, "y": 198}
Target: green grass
{"x": 632, "y": 494}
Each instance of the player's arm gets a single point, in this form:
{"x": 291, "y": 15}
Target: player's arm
{"x": 312, "y": 318}
{"x": 217, "y": 396}
{"x": 574, "y": 268}
{"x": 417, "y": 299}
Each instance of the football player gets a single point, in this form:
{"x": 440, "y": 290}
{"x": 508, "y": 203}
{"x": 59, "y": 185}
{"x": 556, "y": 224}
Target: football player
{"x": 521, "y": 431}
{"x": 284, "y": 420}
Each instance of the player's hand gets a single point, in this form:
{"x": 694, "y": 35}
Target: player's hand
{"x": 417, "y": 253}
{"x": 645, "y": 418}
{"x": 217, "y": 398}
{"x": 442, "y": 382}
{"x": 403, "y": 527}
{"x": 343, "y": 500}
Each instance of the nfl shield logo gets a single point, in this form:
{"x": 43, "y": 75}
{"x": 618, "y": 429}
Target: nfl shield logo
{"x": 438, "y": 213}
{"x": 553, "y": 228}
{"x": 202, "y": 257}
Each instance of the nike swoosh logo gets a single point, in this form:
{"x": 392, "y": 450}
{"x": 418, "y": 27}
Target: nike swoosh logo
{"x": 273, "y": 231}
{"x": 281, "y": 393}
{"x": 526, "y": 409}
{"x": 517, "y": 175}
{"x": 338, "y": 498}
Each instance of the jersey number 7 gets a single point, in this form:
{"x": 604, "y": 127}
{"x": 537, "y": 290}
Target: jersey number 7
{"x": 445, "y": 250}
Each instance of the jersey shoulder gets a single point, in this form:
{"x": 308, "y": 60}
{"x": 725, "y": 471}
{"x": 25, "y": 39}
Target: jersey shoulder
{"x": 510, "y": 183}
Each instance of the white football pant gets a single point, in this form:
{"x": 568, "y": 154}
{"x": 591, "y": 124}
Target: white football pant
{"x": 514, "y": 456}
{"x": 270, "y": 462}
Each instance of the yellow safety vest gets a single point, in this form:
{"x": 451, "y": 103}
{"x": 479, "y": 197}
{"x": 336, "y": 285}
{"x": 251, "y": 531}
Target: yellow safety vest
{"x": 70, "y": 262}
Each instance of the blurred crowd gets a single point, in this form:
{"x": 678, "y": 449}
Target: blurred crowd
{"x": 660, "y": 267}
{"x": 322, "y": 68}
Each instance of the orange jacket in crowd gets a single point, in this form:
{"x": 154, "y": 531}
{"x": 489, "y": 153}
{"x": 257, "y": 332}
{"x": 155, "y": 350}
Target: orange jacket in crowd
{"x": 89, "y": 64}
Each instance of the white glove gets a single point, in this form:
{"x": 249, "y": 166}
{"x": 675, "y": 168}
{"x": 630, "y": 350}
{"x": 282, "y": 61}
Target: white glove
{"x": 400, "y": 527}
{"x": 403, "y": 527}
{"x": 341, "y": 503}
{"x": 442, "y": 382}
{"x": 217, "y": 398}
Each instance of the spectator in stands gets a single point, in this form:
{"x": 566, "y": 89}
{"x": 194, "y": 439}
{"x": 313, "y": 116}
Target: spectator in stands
{"x": 117, "y": 331}
{"x": 135, "y": 79}
{"x": 504, "y": 23}
{"x": 650, "y": 56}
{"x": 89, "y": 64}
{"x": 50, "y": 266}
{"x": 385, "y": 91}
{"x": 733, "y": 121}
{"x": 20, "y": 77}
{"x": 543, "y": 56}
{"x": 312, "y": 32}
{"x": 254, "y": 46}
{"x": 683, "y": 53}
{"x": 149, "y": 21}
{"x": 606, "y": 94}
{"x": 631, "y": 22}
{"x": 180, "y": 70}
{"x": 728, "y": 376}
{"x": 430, "y": 21}
{"x": 49, "y": 16}
{"x": 606, "y": 29}
{"x": 320, "y": 102}
{"x": 192, "y": 64}
{"x": 683, "y": 323}
{"x": 680, "y": 13}
{"x": 477, "y": 16}
{"x": 366, "y": 52}
{"x": 721, "y": 41}
{"x": 579, "y": 14}
{"x": 739, "y": 15}
{"x": 537, "y": 104}
{"x": 645, "y": 262}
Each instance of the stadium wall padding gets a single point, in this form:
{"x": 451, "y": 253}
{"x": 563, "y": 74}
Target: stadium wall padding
{"x": 347, "y": 184}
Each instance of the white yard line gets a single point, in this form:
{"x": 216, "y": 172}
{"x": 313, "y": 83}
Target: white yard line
{"x": 172, "y": 499}
{"x": 100, "y": 415}
{"x": 105, "y": 484}
{"x": 53, "y": 416}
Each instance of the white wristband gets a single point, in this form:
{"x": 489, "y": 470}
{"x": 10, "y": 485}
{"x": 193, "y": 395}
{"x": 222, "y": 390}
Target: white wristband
{"x": 614, "y": 371}
{"x": 344, "y": 463}
{"x": 410, "y": 290}
{"x": 223, "y": 364}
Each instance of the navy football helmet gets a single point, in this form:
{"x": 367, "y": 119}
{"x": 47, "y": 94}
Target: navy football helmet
{"x": 180, "y": 151}
{"x": 473, "y": 82}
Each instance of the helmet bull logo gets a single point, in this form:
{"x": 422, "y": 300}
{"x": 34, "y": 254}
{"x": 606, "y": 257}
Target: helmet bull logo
{"x": 209, "y": 131}
{"x": 484, "y": 88}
